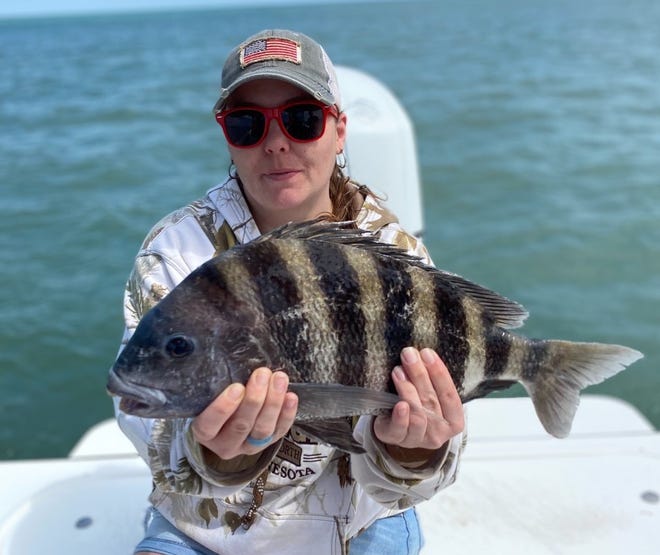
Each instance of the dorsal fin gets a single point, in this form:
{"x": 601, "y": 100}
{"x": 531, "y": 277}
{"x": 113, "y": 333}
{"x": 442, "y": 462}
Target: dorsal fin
{"x": 505, "y": 312}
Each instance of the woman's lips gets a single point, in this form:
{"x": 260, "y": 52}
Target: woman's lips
{"x": 281, "y": 175}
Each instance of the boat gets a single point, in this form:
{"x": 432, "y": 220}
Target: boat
{"x": 518, "y": 490}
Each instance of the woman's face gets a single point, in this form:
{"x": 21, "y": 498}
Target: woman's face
{"x": 284, "y": 180}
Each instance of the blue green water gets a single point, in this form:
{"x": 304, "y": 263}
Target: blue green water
{"x": 538, "y": 129}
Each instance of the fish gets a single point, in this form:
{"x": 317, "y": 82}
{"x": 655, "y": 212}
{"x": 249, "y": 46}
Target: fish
{"x": 333, "y": 307}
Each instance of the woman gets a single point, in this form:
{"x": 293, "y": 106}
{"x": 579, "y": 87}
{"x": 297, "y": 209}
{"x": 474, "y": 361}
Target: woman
{"x": 237, "y": 479}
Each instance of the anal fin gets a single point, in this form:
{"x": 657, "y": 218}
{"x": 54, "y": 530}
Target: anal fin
{"x": 337, "y": 432}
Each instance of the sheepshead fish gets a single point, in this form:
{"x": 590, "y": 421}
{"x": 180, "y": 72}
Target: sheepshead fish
{"x": 333, "y": 307}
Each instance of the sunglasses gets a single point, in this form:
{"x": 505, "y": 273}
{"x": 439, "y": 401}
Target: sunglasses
{"x": 300, "y": 121}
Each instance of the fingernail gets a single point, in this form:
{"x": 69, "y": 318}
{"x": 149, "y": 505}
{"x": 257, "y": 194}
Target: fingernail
{"x": 261, "y": 377}
{"x": 409, "y": 355}
{"x": 399, "y": 374}
{"x": 290, "y": 402}
{"x": 402, "y": 409}
{"x": 280, "y": 381}
{"x": 234, "y": 391}
{"x": 428, "y": 356}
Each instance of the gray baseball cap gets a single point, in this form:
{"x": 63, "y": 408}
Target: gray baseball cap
{"x": 285, "y": 55}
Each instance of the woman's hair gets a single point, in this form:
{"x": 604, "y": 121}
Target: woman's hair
{"x": 346, "y": 196}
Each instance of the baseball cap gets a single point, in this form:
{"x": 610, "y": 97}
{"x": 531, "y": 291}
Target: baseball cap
{"x": 285, "y": 55}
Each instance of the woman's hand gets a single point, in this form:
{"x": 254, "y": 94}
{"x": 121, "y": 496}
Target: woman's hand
{"x": 243, "y": 417}
{"x": 422, "y": 381}
{"x": 264, "y": 408}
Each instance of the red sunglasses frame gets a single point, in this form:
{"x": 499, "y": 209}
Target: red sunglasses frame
{"x": 275, "y": 113}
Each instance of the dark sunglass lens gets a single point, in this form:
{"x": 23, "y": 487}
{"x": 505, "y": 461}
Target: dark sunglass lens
{"x": 244, "y": 127}
{"x": 303, "y": 122}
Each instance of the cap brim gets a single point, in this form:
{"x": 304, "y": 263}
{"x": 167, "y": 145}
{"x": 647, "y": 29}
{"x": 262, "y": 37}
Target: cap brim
{"x": 289, "y": 76}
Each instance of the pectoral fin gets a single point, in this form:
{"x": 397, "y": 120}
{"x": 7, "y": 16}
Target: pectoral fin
{"x": 323, "y": 410}
{"x": 326, "y": 401}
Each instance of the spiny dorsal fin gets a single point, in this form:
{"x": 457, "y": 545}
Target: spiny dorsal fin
{"x": 320, "y": 229}
{"x": 505, "y": 312}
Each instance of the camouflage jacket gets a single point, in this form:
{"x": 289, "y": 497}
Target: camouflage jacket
{"x": 296, "y": 493}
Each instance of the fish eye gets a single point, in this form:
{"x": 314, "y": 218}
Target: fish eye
{"x": 179, "y": 346}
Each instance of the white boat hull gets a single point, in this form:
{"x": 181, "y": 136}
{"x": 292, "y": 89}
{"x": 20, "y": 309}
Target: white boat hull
{"x": 518, "y": 490}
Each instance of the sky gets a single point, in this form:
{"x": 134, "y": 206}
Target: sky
{"x": 20, "y": 8}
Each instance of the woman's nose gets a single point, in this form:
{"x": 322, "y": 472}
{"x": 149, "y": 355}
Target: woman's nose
{"x": 276, "y": 140}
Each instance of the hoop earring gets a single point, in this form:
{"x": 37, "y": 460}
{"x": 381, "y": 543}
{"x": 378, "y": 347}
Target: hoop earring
{"x": 341, "y": 159}
{"x": 232, "y": 171}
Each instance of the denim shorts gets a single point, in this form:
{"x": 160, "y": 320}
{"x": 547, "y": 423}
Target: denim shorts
{"x": 395, "y": 535}
{"x": 163, "y": 537}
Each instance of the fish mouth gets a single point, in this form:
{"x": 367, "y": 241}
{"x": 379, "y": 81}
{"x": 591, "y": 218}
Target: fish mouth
{"x": 136, "y": 399}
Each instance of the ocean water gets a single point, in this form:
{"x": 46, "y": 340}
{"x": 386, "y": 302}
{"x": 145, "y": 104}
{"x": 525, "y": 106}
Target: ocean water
{"x": 538, "y": 131}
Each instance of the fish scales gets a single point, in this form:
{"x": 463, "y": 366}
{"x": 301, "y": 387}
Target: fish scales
{"x": 396, "y": 285}
{"x": 342, "y": 291}
{"x": 373, "y": 310}
{"x": 231, "y": 286}
{"x": 280, "y": 297}
{"x": 475, "y": 334}
{"x": 517, "y": 355}
{"x": 425, "y": 313}
{"x": 498, "y": 349}
{"x": 315, "y": 310}
{"x": 504, "y": 356}
{"x": 536, "y": 353}
{"x": 451, "y": 341}
{"x": 333, "y": 308}
{"x": 233, "y": 279}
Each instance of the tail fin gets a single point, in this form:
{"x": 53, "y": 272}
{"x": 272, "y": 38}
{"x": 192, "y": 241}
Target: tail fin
{"x": 566, "y": 369}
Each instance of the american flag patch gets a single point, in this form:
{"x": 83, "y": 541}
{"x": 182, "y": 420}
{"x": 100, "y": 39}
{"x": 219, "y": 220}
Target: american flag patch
{"x": 270, "y": 49}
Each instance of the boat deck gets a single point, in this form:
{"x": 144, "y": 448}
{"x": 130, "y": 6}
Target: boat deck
{"x": 518, "y": 491}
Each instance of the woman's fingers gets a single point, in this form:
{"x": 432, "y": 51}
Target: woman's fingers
{"x": 210, "y": 421}
{"x": 259, "y": 398}
{"x": 431, "y": 411}
{"x": 244, "y": 420}
{"x": 451, "y": 406}
{"x": 275, "y": 417}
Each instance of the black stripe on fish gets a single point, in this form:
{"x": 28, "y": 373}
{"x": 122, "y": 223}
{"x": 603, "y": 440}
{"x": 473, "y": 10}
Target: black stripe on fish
{"x": 399, "y": 328}
{"x": 486, "y": 387}
{"x": 280, "y": 300}
{"x": 215, "y": 286}
{"x": 209, "y": 280}
{"x": 453, "y": 345}
{"x": 536, "y": 351}
{"x": 341, "y": 288}
{"x": 498, "y": 349}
